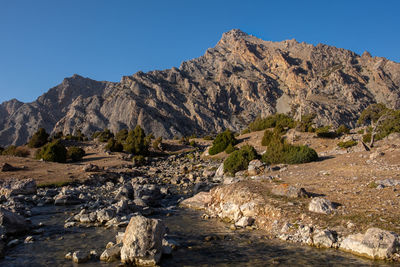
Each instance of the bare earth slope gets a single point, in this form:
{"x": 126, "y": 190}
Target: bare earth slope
{"x": 240, "y": 78}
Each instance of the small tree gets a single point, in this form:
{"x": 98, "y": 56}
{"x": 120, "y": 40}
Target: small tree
{"x": 39, "y": 138}
{"x": 114, "y": 146}
{"x": 54, "y": 151}
{"x": 75, "y": 153}
{"x": 239, "y": 160}
{"x": 136, "y": 142}
{"x": 222, "y": 141}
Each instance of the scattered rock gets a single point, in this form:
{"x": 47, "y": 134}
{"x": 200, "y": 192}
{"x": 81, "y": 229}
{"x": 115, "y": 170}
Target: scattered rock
{"x": 324, "y": 239}
{"x": 198, "y": 201}
{"x": 255, "y": 167}
{"x": 112, "y": 253}
{"x": 91, "y": 168}
{"x": 244, "y": 221}
{"x": 19, "y": 187}
{"x": 80, "y": 256}
{"x": 321, "y": 205}
{"x": 290, "y": 191}
{"x": 220, "y": 171}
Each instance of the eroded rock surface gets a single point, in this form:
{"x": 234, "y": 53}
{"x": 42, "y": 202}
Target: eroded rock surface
{"x": 240, "y": 78}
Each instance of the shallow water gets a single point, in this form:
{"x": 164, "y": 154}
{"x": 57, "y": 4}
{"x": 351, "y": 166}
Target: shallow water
{"x": 230, "y": 248}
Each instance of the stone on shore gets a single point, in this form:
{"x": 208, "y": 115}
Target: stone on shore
{"x": 374, "y": 244}
{"x": 321, "y": 205}
{"x": 19, "y": 187}
{"x": 198, "y": 201}
{"x": 111, "y": 253}
{"x": 12, "y": 223}
{"x": 80, "y": 256}
{"x": 142, "y": 243}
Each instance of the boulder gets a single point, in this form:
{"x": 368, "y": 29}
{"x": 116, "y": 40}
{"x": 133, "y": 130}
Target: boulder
{"x": 11, "y": 223}
{"x": 244, "y": 221}
{"x": 111, "y": 253}
{"x": 374, "y": 244}
{"x": 220, "y": 171}
{"x": 18, "y": 187}
{"x": 321, "y": 205}
{"x": 91, "y": 168}
{"x": 198, "y": 201}
{"x": 142, "y": 243}
{"x": 290, "y": 191}
{"x": 80, "y": 256}
{"x": 324, "y": 239}
{"x": 5, "y": 167}
{"x": 64, "y": 199}
{"x": 255, "y": 167}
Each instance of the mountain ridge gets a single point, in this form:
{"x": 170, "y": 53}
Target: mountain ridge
{"x": 240, "y": 78}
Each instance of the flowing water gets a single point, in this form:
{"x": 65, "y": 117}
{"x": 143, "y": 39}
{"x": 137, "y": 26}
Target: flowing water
{"x": 226, "y": 247}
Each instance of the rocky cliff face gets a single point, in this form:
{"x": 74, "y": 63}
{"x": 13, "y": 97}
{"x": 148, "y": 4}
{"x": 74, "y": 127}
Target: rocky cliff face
{"x": 240, "y": 78}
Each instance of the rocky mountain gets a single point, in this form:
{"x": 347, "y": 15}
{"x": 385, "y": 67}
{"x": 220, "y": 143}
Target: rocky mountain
{"x": 240, "y": 78}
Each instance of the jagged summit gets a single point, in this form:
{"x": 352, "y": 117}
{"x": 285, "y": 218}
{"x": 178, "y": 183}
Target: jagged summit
{"x": 232, "y": 83}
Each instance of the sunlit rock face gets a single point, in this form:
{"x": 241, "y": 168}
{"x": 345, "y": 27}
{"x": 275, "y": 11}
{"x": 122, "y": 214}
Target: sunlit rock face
{"x": 240, "y": 78}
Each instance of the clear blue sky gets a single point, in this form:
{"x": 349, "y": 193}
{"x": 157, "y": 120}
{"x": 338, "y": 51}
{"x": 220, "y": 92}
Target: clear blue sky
{"x": 43, "y": 41}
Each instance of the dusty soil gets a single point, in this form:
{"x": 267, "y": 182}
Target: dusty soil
{"x": 49, "y": 173}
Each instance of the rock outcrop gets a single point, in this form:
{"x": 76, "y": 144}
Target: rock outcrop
{"x": 240, "y": 78}
{"x": 375, "y": 244}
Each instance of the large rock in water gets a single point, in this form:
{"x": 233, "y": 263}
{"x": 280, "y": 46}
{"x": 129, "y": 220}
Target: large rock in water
{"x": 142, "y": 243}
{"x": 11, "y": 223}
{"x": 232, "y": 83}
{"x": 375, "y": 244}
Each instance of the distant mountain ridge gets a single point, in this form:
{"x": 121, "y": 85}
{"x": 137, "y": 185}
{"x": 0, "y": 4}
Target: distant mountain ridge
{"x": 240, "y": 78}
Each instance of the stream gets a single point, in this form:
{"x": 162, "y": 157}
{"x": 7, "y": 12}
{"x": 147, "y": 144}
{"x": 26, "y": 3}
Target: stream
{"x": 225, "y": 247}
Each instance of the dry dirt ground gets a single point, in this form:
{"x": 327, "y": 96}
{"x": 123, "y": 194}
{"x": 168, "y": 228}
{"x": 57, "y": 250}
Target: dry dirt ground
{"x": 49, "y": 173}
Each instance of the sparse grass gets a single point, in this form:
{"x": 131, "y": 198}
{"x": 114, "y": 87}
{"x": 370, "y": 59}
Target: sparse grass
{"x": 372, "y": 184}
{"x": 347, "y": 144}
{"x": 53, "y": 184}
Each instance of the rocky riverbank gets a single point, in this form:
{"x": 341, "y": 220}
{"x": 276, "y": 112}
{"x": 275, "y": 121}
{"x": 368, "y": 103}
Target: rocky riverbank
{"x": 131, "y": 202}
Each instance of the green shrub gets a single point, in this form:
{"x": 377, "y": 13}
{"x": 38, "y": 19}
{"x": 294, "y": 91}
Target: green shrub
{"x": 103, "y": 136}
{"x": 271, "y": 136}
{"x": 114, "y": 146}
{"x": 139, "y": 160}
{"x": 366, "y": 138}
{"x": 222, "y": 141}
{"x": 347, "y": 144}
{"x": 239, "y": 159}
{"x": 389, "y": 125}
{"x": 371, "y": 114}
{"x": 156, "y": 143}
{"x": 246, "y": 131}
{"x": 54, "y": 151}
{"x": 78, "y": 137}
{"x": 342, "y": 129}
{"x": 361, "y": 131}
{"x": 136, "y": 142}
{"x": 324, "y": 132}
{"x": 121, "y": 135}
{"x": 272, "y": 121}
{"x": 75, "y": 153}
{"x": 192, "y": 143}
{"x": 281, "y": 152}
{"x": 230, "y": 148}
{"x": 1, "y": 150}
{"x": 306, "y": 123}
{"x": 208, "y": 137}
{"x": 16, "y": 151}
{"x": 39, "y": 138}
